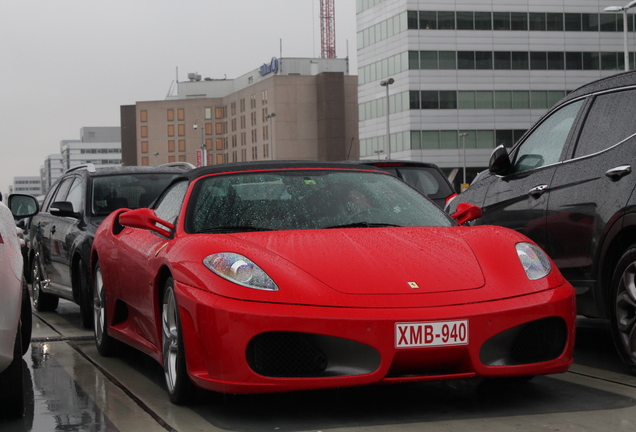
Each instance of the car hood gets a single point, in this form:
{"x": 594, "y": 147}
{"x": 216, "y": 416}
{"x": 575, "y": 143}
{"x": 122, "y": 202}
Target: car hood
{"x": 381, "y": 261}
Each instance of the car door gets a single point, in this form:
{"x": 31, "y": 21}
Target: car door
{"x": 43, "y": 228}
{"x": 593, "y": 185}
{"x": 139, "y": 262}
{"x": 519, "y": 199}
{"x": 64, "y": 230}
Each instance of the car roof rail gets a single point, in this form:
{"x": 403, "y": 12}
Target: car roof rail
{"x": 184, "y": 165}
{"x": 90, "y": 167}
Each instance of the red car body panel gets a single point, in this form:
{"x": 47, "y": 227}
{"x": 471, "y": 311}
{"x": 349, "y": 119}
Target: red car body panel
{"x": 210, "y": 305}
{"x": 351, "y": 289}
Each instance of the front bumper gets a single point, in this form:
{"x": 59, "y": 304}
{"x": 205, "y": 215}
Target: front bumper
{"x": 235, "y": 346}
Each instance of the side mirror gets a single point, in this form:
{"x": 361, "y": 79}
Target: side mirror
{"x": 22, "y": 205}
{"x": 499, "y": 161}
{"x": 466, "y": 212}
{"x": 63, "y": 208}
{"x": 145, "y": 218}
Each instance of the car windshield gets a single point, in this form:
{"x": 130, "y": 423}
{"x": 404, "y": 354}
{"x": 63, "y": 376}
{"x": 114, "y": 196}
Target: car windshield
{"x": 131, "y": 191}
{"x": 307, "y": 199}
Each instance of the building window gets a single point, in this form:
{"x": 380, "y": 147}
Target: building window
{"x": 218, "y": 128}
{"x": 208, "y": 113}
{"x": 181, "y": 129}
{"x": 170, "y": 130}
{"x": 171, "y": 145}
{"x": 182, "y": 145}
{"x": 182, "y": 158}
{"x": 219, "y": 144}
{"x": 264, "y": 97}
{"x": 170, "y": 115}
{"x": 208, "y": 143}
{"x": 501, "y": 21}
{"x": 171, "y": 159}
{"x": 208, "y": 128}
{"x": 265, "y": 151}
{"x": 143, "y": 116}
{"x": 144, "y": 161}
{"x": 218, "y": 113}
{"x": 181, "y": 114}
{"x": 254, "y": 153}
{"x": 144, "y": 131}
{"x": 144, "y": 146}
{"x": 519, "y": 21}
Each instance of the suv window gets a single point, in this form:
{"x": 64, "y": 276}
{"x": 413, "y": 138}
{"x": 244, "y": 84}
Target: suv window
{"x": 610, "y": 120}
{"x": 76, "y": 194}
{"x": 61, "y": 192}
{"x": 131, "y": 191}
{"x": 545, "y": 144}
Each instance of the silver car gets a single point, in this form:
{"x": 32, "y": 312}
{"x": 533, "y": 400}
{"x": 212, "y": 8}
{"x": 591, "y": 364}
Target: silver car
{"x": 15, "y": 316}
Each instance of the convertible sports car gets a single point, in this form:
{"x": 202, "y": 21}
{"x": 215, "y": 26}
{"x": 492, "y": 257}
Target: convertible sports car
{"x": 281, "y": 276}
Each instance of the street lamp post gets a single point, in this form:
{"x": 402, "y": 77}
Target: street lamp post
{"x": 204, "y": 151}
{"x": 271, "y": 134}
{"x": 156, "y": 158}
{"x": 386, "y": 84}
{"x": 463, "y": 136}
{"x": 623, "y": 9}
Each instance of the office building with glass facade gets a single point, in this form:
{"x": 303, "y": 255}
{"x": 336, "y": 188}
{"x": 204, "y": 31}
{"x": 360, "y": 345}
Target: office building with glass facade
{"x": 474, "y": 75}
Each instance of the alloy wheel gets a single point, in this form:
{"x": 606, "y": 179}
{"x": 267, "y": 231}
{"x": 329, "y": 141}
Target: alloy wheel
{"x": 626, "y": 311}
{"x": 170, "y": 339}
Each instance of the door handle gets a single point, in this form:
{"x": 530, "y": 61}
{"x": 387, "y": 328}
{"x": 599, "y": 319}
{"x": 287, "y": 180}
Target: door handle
{"x": 617, "y": 172}
{"x": 537, "y": 191}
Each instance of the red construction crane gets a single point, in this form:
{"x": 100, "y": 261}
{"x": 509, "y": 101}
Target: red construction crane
{"x": 327, "y": 29}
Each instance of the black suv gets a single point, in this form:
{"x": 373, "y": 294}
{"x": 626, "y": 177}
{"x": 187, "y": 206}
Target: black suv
{"x": 62, "y": 232}
{"x": 426, "y": 177}
{"x": 568, "y": 185}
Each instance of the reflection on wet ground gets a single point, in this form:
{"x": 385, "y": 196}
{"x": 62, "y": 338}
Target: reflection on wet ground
{"x": 70, "y": 388}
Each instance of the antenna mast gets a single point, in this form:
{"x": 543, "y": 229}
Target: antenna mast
{"x": 327, "y": 29}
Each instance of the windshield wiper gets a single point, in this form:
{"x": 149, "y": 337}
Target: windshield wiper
{"x": 232, "y": 229}
{"x": 363, "y": 225}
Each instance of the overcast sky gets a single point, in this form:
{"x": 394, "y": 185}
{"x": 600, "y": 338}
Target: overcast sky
{"x": 67, "y": 64}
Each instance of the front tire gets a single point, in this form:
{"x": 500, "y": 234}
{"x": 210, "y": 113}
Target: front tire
{"x": 85, "y": 295}
{"x": 623, "y": 307}
{"x": 174, "y": 360}
{"x": 104, "y": 343}
{"x": 42, "y": 302}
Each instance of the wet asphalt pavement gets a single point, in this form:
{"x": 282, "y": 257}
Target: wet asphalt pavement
{"x": 71, "y": 388}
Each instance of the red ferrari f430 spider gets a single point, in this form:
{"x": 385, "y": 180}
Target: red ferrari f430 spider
{"x": 282, "y": 276}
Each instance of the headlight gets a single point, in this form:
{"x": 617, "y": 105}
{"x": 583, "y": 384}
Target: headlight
{"x": 534, "y": 261}
{"x": 240, "y": 270}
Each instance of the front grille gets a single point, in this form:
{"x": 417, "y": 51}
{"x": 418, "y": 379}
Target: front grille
{"x": 533, "y": 342}
{"x": 305, "y": 355}
{"x": 285, "y": 354}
